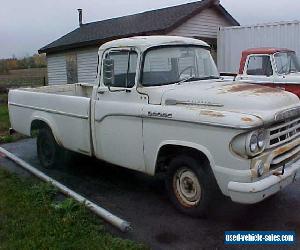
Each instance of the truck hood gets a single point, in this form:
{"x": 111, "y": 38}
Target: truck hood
{"x": 293, "y": 78}
{"x": 234, "y": 97}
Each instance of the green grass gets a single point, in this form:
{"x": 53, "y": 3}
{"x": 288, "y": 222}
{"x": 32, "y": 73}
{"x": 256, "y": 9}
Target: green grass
{"x": 31, "y": 219}
{"x": 4, "y": 122}
{"x": 21, "y": 82}
{"x": 4, "y": 118}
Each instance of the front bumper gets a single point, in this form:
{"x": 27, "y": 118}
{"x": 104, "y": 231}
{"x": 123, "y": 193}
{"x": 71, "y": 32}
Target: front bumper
{"x": 250, "y": 193}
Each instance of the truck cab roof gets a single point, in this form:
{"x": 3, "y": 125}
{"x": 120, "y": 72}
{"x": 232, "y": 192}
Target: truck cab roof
{"x": 145, "y": 42}
{"x": 258, "y": 51}
{"x": 264, "y": 50}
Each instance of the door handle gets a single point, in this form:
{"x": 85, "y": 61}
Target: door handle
{"x": 101, "y": 91}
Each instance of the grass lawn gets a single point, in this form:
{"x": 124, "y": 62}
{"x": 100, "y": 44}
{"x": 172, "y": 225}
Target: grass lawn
{"x": 4, "y": 122}
{"x": 30, "y": 218}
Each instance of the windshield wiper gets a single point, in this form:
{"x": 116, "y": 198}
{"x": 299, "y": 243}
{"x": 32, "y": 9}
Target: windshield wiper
{"x": 187, "y": 79}
{"x": 209, "y": 77}
{"x": 192, "y": 79}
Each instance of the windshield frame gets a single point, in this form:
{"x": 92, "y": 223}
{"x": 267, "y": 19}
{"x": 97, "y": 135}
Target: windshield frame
{"x": 285, "y": 52}
{"x": 144, "y": 54}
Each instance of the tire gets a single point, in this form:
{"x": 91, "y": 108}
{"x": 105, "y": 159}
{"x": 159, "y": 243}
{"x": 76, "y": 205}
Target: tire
{"x": 191, "y": 185}
{"x": 50, "y": 154}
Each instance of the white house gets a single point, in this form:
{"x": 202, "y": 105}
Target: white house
{"x": 73, "y": 57}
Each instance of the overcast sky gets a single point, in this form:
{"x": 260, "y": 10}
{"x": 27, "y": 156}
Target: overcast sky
{"x": 26, "y": 26}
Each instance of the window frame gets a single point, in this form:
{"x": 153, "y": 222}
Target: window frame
{"x": 258, "y": 55}
{"x": 124, "y": 49}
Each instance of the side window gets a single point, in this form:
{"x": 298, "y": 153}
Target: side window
{"x": 71, "y": 68}
{"x": 125, "y": 63}
{"x": 259, "y": 66}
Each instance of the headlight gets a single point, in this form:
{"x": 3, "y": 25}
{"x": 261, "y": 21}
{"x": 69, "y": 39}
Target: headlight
{"x": 261, "y": 140}
{"x": 253, "y": 143}
{"x": 256, "y": 142}
{"x": 250, "y": 144}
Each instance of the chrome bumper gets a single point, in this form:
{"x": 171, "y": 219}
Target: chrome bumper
{"x": 250, "y": 193}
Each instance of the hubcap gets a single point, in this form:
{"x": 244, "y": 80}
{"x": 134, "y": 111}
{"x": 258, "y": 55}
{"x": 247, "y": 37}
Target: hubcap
{"x": 187, "y": 187}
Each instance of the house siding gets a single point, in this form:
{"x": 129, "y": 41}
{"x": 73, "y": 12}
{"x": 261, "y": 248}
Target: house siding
{"x": 87, "y": 61}
{"x": 86, "y": 66}
{"x": 57, "y": 73}
{"x": 205, "y": 24}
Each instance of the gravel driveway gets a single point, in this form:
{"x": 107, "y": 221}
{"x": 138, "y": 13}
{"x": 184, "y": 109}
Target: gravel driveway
{"x": 142, "y": 200}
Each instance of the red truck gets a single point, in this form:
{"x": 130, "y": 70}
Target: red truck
{"x": 274, "y": 67}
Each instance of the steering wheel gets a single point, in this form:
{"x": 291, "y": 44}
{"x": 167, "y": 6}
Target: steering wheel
{"x": 191, "y": 68}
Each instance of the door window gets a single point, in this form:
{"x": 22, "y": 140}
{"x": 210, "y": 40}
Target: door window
{"x": 125, "y": 63}
{"x": 259, "y": 66}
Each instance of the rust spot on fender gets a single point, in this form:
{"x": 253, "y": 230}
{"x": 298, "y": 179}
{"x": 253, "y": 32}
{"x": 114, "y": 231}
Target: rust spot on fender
{"x": 253, "y": 88}
{"x": 211, "y": 113}
{"x": 246, "y": 119}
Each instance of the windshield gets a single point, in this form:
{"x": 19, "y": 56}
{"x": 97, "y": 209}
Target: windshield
{"x": 175, "y": 64}
{"x": 287, "y": 62}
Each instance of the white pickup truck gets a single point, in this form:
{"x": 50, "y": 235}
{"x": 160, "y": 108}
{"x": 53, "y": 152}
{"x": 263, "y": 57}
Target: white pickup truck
{"x": 159, "y": 106}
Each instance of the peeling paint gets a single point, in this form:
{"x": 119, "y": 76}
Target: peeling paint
{"x": 253, "y": 88}
{"x": 284, "y": 149}
{"x": 212, "y": 113}
{"x": 246, "y": 119}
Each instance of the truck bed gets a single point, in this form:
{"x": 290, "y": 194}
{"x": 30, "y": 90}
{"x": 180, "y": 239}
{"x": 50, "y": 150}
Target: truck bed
{"x": 58, "y": 106}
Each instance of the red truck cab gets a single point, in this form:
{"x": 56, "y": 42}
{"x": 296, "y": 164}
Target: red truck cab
{"x": 274, "y": 67}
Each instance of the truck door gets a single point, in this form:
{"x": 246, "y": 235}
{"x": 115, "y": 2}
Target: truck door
{"x": 259, "y": 70}
{"x": 117, "y": 129}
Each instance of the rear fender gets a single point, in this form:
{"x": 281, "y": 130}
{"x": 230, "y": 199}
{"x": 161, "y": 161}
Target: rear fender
{"x": 48, "y": 119}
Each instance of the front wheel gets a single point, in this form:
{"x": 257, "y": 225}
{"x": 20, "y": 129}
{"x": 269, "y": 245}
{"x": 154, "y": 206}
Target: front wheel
{"x": 190, "y": 185}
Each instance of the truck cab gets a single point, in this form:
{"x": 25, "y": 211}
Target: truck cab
{"x": 274, "y": 67}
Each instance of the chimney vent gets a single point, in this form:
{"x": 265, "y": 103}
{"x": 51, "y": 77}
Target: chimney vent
{"x": 80, "y": 17}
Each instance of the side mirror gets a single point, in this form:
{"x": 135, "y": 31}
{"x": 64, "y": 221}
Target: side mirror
{"x": 108, "y": 72}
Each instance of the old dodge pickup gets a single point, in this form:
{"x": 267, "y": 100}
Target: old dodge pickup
{"x": 159, "y": 106}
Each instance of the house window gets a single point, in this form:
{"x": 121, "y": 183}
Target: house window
{"x": 71, "y": 67}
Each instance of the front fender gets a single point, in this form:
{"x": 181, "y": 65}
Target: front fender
{"x": 202, "y": 149}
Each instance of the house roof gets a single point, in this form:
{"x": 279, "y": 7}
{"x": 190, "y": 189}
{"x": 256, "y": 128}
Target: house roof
{"x": 159, "y": 21}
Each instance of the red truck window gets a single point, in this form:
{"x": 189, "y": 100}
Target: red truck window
{"x": 259, "y": 65}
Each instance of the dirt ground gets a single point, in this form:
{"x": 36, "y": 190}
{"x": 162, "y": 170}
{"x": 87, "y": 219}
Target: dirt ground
{"x": 142, "y": 200}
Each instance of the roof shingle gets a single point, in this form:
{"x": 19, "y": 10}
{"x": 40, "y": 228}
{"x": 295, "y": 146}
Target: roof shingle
{"x": 151, "y": 22}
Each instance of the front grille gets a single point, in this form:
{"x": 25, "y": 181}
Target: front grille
{"x": 285, "y": 158}
{"x": 284, "y": 132}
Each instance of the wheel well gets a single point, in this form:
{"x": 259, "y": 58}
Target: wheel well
{"x": 37, "y": 125}
{"x": 168, "y": 152}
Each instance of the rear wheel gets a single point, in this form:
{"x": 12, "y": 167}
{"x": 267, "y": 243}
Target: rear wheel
{"x": 190, "y": 185}
{"x": 49, "y": 152}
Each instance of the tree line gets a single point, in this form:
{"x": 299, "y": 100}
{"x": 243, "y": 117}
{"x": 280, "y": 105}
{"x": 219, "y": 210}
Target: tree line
{"x": 35, "y": 61}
